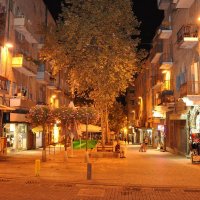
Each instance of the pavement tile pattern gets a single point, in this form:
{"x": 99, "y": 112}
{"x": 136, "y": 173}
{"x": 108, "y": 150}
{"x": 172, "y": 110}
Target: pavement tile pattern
{"x": 151, "y": 175}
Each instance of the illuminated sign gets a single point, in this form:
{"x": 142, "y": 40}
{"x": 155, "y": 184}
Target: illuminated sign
{"x": 17, "y": 61}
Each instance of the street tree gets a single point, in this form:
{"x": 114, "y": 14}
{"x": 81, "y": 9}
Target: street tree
{"x": 66, "y": 115}
{"x": 117, "y": 118}
{"x": 94, "y": 44}
{"x": 41, "y": 115}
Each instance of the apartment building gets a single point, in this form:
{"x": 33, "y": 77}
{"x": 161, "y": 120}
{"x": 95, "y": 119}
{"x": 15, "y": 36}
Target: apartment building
{"x": 172, "y": 78}
{"x": 25, "y": 81}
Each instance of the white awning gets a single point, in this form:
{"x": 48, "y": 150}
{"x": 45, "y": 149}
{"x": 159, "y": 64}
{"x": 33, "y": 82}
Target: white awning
{"x": 91, "y": 128}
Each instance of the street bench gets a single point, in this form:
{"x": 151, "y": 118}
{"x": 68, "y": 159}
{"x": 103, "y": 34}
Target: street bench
{"x": 105, "y": 148}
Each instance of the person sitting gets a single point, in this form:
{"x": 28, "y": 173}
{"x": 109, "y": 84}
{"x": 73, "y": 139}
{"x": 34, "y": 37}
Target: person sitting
{"x": 122, "y": 152}
{"x": 117, "y": 148}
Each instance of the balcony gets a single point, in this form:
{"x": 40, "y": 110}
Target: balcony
{"x": 166, "y": 97}
{"x": 183, "y": 3}
{"x": 43, "y": 77}
{"x": 163, "y": 4}
{"x": 187, "y": 36}
{"x": 21, "y": 103}
{"x": 190, "y": 88}
{"x": 165, "y": 30}
{"x": 23, "y": 65}
{"x": 23, "y": 26}
{"x": 156, "y": 52}
{"x": 52, "y": 84}
{"x": 166, "y": 61}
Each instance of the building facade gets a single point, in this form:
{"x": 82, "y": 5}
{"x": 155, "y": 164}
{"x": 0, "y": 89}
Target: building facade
{"x": 172, "y": 79}
{"x": 25, "y": 80}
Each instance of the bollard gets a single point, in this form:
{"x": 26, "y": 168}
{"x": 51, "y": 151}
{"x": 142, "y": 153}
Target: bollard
{"x": 37, "y": 167}
{"x": 89, "y": 171}
{"x": 65, "y": 156}
{"x": 87, "y": 158}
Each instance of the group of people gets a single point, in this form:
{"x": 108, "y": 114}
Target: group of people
{"x": 143, "y": 145}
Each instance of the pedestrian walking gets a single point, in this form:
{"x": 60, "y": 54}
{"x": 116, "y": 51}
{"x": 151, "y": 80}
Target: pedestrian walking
{"x": 146, "y": 141}
{"x": 141, "y": 149}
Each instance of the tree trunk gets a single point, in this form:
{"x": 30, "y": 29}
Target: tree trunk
{"x": 65, "y": 134}
{"x": 104, "y": 126}
{"x": 102, "y": 129}
{"x": 44, "y": 143}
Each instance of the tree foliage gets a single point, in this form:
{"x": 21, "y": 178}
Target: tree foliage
{"x": 94, "y": 45}
{"x": 87, "y": 115}
{"x": 117, "y": 117}
{"x": 93, "y": 42}
{"x": 40, "y": 115}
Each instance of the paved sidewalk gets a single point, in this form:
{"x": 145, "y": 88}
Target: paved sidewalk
{"x": 148, "y": 175}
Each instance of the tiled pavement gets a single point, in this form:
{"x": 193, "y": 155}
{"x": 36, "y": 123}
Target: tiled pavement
{"x": 142, "y": 176}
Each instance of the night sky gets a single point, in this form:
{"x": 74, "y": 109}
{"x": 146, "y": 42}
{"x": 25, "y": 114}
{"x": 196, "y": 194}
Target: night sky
{"x": 145, "y": 10}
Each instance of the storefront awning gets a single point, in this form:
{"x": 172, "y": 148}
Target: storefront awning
{"x": 91, "y": 128}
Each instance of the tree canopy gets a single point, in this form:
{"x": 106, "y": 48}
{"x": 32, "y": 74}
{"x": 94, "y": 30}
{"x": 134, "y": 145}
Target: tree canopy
{"x": 94, "y": 43}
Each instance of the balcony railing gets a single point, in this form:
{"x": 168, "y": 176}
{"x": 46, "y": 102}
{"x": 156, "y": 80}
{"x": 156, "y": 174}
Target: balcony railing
{"x": 166, "y": 61}
{"x": 156, "y": 52}
{"x": 183, "y": 3}
{"x": 163, "y": 4}
{"x": 190, "y": 88}
{"x": 43, "y": 77}
{"x": 21, "y": 103}
{"x": 187, "y": 36}
{"x": 165, "y": 97}
{"x": 165, "y": 30}
{"x": 24, "y": 26}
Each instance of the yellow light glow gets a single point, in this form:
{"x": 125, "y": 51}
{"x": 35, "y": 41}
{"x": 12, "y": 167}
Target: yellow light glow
{"x": 198, "y": 18}
{"x": 17, "y": 61}
{"x": 158, "y": 114}
{"x": 53, "y": 96}
{"x": 9, "y": 45}
{"x": 57, "y": 121}
{"x": 125, "y": 130}
{"x": 164, "y": 71}
{"x": 55, "y": 133}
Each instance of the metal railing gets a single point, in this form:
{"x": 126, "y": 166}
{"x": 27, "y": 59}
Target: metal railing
{"x": 190, "y": 30}
{"x": 190, "y": 88}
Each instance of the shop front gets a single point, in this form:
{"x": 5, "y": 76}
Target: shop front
{"x": 194, "y": 128}
{"x": 16, "y": 132}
